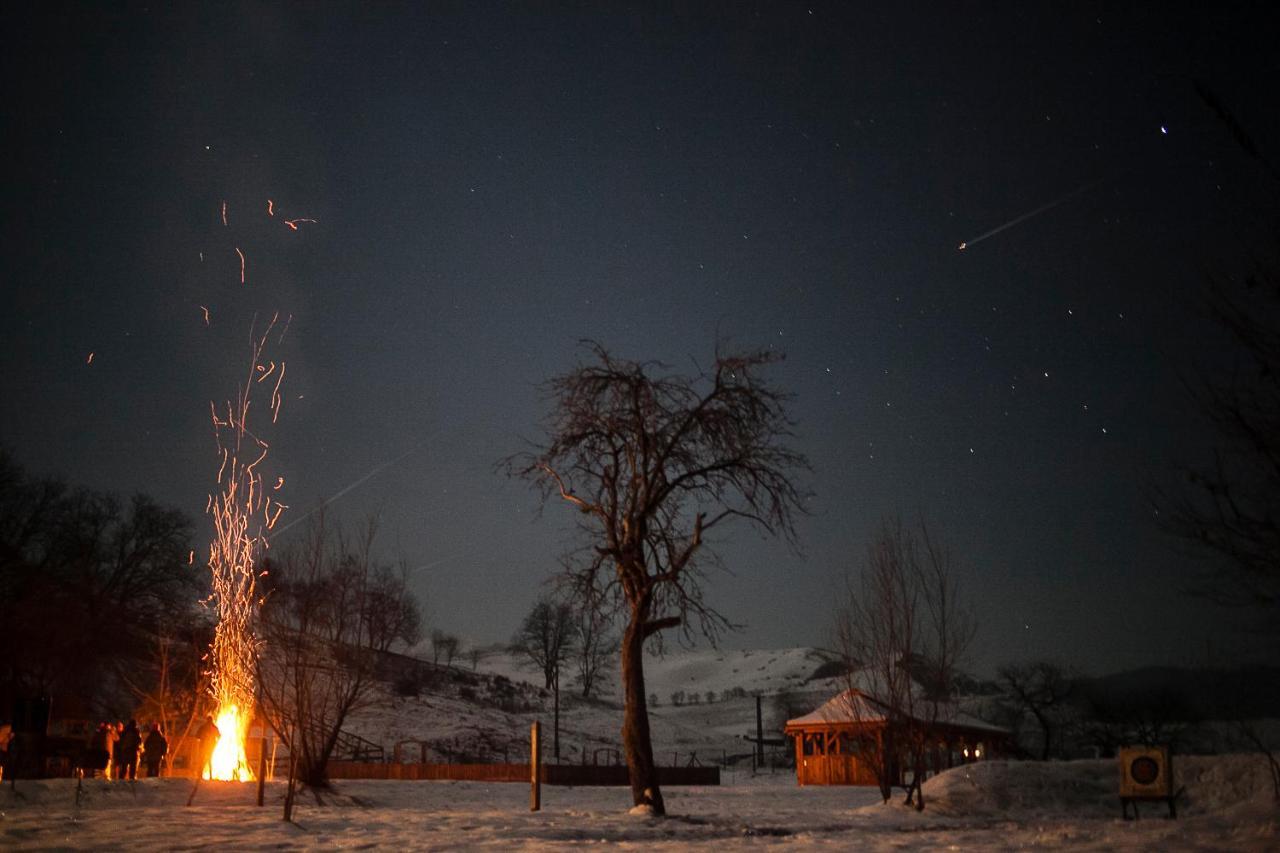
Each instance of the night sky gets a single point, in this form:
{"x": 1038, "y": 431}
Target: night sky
{"x": 490, "y": 184}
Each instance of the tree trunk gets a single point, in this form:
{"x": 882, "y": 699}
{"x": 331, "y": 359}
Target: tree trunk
{"x": 636, "y": 742}
{"x": 885, "y": 747}
{"x": 918, "y": 778}
{"x": 1043, "y": 720}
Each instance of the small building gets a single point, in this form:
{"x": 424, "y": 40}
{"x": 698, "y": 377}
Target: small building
{"x": 839, "y": 742}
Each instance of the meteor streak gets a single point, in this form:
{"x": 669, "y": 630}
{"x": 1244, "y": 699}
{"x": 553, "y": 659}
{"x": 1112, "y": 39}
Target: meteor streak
{"x": 1024, "y": 217}
{"x": 371, "y": 473}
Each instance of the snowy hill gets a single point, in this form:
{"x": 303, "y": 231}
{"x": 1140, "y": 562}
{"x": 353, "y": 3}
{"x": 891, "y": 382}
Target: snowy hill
{"x": 705, "y": 706}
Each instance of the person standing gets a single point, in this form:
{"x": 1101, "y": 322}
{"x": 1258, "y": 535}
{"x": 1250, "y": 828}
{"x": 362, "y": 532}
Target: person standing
{"x": 207, "y": 736}
{"x": 153, "y": 750}
{"x": 98, "y": 755}
{"x": 113, "y": 737}
{"x": 127, "y": 752}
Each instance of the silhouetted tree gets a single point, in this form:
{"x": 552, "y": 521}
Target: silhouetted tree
{"x": 86, "y": 583}
{"x": 545, "y": 640}
{"x": 1231, "y": 508}
{"x": 1041, "y": 689}
{"x": 902, "y": 628}
{"x": 653, "y": 462}
{"x": 594, "y": 646}
{"x": 1154, "y": 717}
{"x": 330, "y": 612}
{"x": 443, "y": 645}
{"x": 449, "y": 648}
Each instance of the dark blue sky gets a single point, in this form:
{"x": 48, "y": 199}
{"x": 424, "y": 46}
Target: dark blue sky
{"x": 492, "y": 183}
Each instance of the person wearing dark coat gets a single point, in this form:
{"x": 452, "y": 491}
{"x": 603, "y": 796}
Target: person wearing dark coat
{"x": 153, "y": 750}
{"x": 127, "y": 751}
{"x": 207, "y": 735}
{"x": 98, "y": 755}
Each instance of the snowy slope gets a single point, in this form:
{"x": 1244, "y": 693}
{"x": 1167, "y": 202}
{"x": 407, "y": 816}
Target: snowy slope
{"x": 485, "y": 715}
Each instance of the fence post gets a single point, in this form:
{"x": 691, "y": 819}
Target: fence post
{"x": 535, "y": 766}
{"x": 262, "y": 762}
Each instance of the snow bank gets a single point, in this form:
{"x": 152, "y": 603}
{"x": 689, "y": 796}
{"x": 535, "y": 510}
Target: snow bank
{"x": 1030, "y": 789}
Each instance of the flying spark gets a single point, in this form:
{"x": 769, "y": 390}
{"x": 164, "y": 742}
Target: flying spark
{"x": 239, "y": 540}
{"x": 293, "y": 223}
{"x": 241, "y": 254}
{"x": 206, "y": 314}
{"x": 271, "y": 208}
{"x": 90, "y": 359}
{"x": 224, "y": 213}
{"x": 1024, "y": 217}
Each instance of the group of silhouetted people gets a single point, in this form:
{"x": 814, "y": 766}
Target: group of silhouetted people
{"x": 115, "y": 749}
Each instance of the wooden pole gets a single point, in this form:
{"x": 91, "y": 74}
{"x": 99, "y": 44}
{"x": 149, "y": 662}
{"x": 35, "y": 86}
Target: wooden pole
{"x": 291, "y": 786}
{"x": 759, "y": 734}
{"x": 262, "y": 763}
{"x": 535, "y": 768}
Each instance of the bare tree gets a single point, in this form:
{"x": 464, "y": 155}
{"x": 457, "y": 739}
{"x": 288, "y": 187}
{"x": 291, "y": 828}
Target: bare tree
{"x": 903, "y": 630}
{"x": 654, "y": 462}
{"x": 545, "y": 640}
{"x": 1041, "y": 689}
{"x": 594, "y": 647}
{"x": 1231, "y": 506}
{"x": 875, "y": 627}
{"x": 330, "y": 613}
{"x": 78, "y": 567}
{"x": 449, "y": 648}
{"x": 438, "y": 641}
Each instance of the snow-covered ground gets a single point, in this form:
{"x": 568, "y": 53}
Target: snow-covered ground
{"x": 990, "y": 806}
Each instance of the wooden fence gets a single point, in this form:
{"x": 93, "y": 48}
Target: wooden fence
{"x": 552, "y": 774}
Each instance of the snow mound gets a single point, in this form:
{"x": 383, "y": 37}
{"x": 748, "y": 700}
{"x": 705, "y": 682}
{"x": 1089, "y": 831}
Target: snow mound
{"x": 1026, "y": 789}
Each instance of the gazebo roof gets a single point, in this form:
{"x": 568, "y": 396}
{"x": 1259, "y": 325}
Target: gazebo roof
{"x": 853, "y": 707}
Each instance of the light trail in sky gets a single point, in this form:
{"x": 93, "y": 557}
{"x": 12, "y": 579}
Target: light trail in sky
{"x": 1024, "y": 217}
{"x": 345, "y": 489}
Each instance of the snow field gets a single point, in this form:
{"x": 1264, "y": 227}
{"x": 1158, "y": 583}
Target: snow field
{"x": 993, "y": 806}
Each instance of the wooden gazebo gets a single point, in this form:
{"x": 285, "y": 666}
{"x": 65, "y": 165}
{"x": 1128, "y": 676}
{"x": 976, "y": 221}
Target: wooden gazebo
{"x": 835, "y": 743}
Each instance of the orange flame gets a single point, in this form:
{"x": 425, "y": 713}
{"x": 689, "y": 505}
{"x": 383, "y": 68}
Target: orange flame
{"x": 229, "y": 761}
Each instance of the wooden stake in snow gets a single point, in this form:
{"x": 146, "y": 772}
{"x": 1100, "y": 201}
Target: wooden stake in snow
{"x": 535, "y": 768}
{"x": 262, "y": 759}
